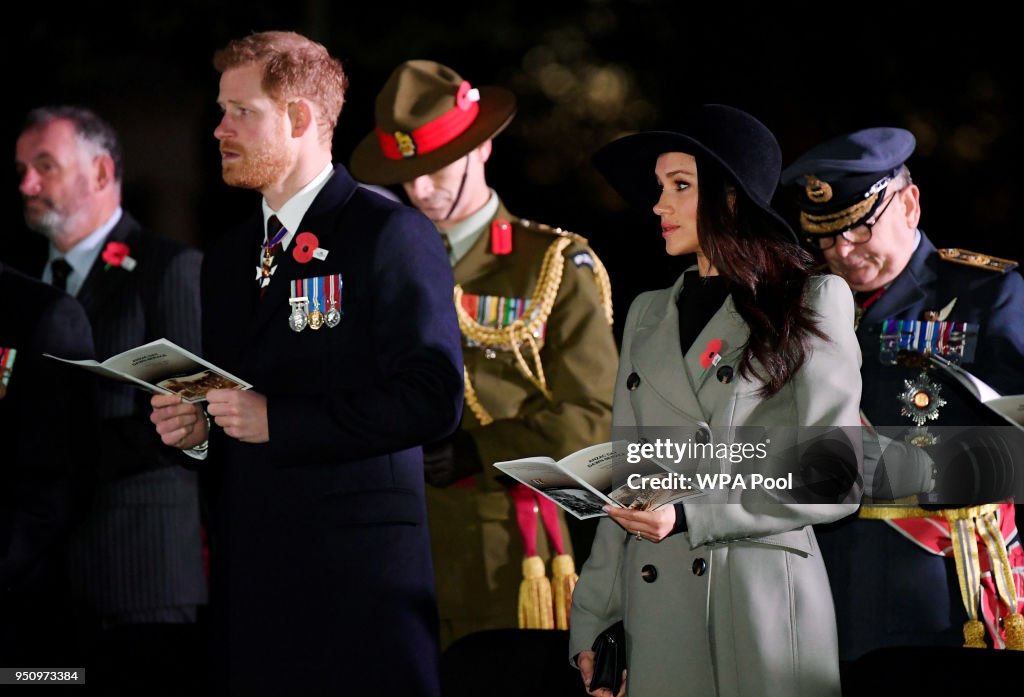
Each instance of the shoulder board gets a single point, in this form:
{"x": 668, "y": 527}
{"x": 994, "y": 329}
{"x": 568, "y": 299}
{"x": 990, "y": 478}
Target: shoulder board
{"x": 547, "y": 229}
{"x": 978, "y": 261}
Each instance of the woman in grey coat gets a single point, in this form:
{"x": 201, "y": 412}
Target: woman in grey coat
{"x": 726, "y": 594}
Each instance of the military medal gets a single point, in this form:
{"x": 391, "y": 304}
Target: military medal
{"x": 7, "y": 356}
{"x": 911, "y": 344}
{"x": 333, "y": 313}
{"x": 496, "y": 312}
{"x": 954, "y": 341}
{"x": 267, "y": 267}
{"x": 297, "y": 320}
{"x": 921, "y": 399}
{"x": 316, "y": 318}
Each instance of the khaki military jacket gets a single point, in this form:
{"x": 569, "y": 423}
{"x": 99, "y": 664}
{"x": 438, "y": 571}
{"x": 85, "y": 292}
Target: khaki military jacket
{"x": 477, "y": 546}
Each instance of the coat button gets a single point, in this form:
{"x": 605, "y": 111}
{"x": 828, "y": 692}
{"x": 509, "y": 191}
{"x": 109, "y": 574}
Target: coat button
{"x": 633, "y": 381}
{"x": 649, "y": 573}
{"x": 724, "y": 374}
{"x": 702, "y": 436}
{"x": 699, "y": 566}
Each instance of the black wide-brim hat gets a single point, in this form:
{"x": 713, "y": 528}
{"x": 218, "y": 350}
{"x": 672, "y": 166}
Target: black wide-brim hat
{"x": 425, "y": 97}
{"x": 741, "y": 145}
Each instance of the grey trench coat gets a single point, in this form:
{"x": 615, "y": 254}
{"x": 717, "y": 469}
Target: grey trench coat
{"x": 740, "y": 604}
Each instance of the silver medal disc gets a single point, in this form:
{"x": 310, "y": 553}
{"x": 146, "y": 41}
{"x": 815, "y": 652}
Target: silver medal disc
{"x": 297, "y": 319}
{"x": 333, "y": 317}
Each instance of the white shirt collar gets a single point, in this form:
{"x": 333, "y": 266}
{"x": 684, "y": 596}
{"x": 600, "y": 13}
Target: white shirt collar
{"x": 83, "y": 255}
{"x": 294, "y": 209}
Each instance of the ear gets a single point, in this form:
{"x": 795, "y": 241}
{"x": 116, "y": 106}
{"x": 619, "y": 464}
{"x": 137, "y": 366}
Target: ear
{"x": 300, "y": 114}
{"x": 483, "y": 151}
{"x": 103, "y": 171}
{"x": 911, "y": 200}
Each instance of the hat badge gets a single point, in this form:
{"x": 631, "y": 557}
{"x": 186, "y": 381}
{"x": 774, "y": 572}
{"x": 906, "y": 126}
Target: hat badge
{"x": 406, "y": 144}
{"x": 817, "y": 190}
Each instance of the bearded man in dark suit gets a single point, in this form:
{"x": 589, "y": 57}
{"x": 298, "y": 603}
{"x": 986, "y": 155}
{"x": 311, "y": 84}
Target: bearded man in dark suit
{"x": 136, "y": 560}
{"x": 322, "y": 573}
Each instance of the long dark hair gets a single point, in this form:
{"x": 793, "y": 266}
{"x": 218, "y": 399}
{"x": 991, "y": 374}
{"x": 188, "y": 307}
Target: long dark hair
{"x": 766, "y": 271}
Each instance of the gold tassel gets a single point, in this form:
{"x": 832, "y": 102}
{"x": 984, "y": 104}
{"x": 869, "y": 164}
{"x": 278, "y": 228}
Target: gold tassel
{"x": 535, "y": 596}
{"x": 563, "y": 581}
{"x": 974, "y": 634}
{"x": 1014, "y": 625}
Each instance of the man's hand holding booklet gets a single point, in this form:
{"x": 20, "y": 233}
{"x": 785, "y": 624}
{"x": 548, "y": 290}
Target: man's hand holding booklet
{"x": 163, "y": 367}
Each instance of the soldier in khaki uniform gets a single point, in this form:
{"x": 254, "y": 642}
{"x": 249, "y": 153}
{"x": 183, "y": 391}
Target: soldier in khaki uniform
{"x": 534, "y": 306}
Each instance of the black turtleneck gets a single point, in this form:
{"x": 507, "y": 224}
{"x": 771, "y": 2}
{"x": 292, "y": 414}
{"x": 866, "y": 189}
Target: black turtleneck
{"x": 699, "y": 299}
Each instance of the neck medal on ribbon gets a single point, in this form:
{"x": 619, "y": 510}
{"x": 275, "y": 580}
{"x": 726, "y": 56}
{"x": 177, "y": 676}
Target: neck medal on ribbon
{"x": 267, "y": 267}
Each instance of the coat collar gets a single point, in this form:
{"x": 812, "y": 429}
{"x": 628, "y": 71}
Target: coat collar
{"x": 657, "y": 356}
{"x": 909, "y": 287}
{"x": 479, "y": 261}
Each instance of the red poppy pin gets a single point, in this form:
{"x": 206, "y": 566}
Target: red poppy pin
{"x": 117, "y": 255}
{"x": 307, "y": 246}
{"x": 712, "y": 354}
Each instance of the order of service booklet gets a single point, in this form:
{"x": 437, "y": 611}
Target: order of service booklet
{"x": 163, "y": 367}
{"x": 585, "y": 481}
{"x": 1009, "y": 407}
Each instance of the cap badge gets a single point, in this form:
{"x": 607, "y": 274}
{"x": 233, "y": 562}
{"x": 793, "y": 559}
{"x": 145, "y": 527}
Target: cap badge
{"x": 406, "y": 145}
{"x": 817, "y": 190}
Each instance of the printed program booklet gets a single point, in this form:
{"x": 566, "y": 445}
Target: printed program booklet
{"x": 163, "y": 367}
{"x": 585, "y": 481}
{"x": 1009, "y": 407}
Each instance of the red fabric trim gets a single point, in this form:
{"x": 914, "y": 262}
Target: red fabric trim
{"x": 528, "y": 504}
{"x": 932, "y": 534}
{"x": 526, "y": 516}
{"x": 872, "y": 298}
{"x": 501, "y": 237}
{"x": 433, "y": 134}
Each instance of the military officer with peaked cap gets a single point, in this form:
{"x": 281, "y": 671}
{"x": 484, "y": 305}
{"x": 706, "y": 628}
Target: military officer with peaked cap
{"x": 894, "y": 577}
{"x": 534, "y": 306}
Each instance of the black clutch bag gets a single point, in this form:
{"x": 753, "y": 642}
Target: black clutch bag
{"x": 609, "y": 658}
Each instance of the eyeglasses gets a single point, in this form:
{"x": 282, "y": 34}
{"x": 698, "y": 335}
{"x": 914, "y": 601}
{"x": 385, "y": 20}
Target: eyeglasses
{"x": 856, "y": 235}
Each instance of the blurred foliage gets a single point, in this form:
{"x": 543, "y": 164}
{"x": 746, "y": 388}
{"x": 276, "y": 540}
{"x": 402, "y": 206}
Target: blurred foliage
{"x": 584, "y": 72}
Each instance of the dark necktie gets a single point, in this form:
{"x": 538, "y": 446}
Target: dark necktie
{"x": 269, "y": 250}
{"x": 60, "y": 269}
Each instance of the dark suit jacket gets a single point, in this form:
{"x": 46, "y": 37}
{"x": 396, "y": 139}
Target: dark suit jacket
{"x": 887, "y": 591}
{"x": 43, "y": 427}
{"x": 322, "y": 570}
{"x": 992, "y": 299}
{"x": 141, "y": 548}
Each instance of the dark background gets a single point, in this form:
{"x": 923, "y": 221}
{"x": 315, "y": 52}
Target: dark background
{"x": 584, "y": 73}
